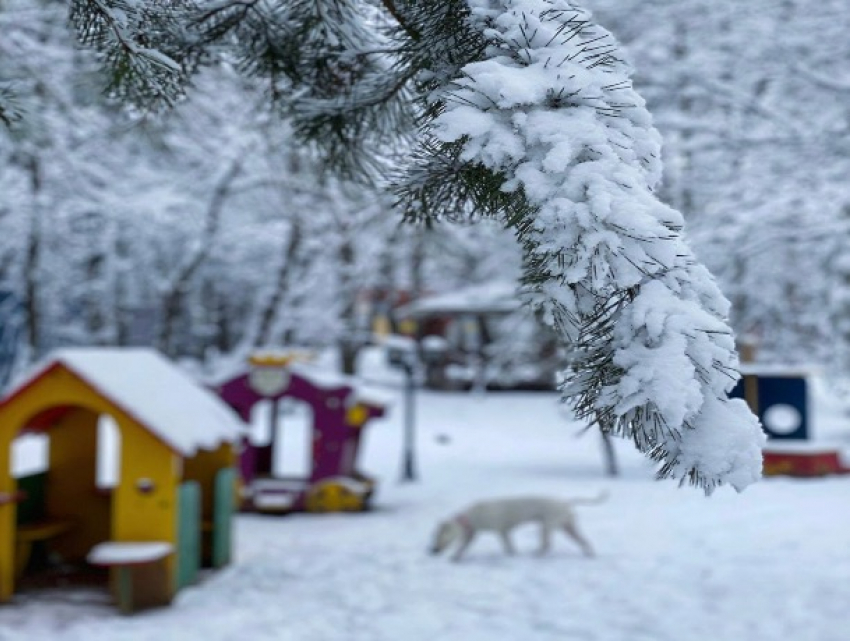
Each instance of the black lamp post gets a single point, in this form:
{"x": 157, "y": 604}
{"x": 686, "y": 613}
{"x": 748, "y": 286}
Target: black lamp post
{"x": 405, "y": 354}
{"x": 402, "y": 354}
{"x": 408, "y": 466}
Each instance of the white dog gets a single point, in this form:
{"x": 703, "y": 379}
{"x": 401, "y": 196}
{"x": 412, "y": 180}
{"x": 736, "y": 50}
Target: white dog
{"x": 503, "y": 515}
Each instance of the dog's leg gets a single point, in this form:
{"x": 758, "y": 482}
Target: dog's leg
{"x": 545, "y": 538}
{"x": 505, "y": 535}
{"x": 576, "y": 536}
{"x": 468, "y": 535}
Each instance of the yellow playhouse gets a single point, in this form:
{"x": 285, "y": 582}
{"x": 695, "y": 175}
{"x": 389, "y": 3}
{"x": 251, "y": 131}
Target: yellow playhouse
{"x": 167, "y": 511}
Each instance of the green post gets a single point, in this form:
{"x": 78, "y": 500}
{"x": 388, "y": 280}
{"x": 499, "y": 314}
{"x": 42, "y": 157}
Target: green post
{"x": 125, "y": 590}
{"x": 188, "y": 533}
{"x": 223, "y": 508}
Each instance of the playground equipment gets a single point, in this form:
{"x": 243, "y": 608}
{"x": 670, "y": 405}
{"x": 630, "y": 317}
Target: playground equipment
{"x": 779, "y": 396}
{"x": 485, "y": 337}
{"x": 171, "y": 506}
{"x": 340, "y": 412}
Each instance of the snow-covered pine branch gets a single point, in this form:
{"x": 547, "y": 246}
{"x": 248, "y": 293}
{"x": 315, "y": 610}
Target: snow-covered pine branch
{"x": 550, "y": 109}
{"x": 140, "y": 45}
{"x": 529, "y": 116}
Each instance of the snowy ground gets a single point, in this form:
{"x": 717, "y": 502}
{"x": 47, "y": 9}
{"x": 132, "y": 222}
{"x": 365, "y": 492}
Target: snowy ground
{"x": 770, "y": 564}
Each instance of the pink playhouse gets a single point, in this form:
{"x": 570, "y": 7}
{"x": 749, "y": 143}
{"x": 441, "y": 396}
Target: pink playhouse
{"x": 341, "y": 411}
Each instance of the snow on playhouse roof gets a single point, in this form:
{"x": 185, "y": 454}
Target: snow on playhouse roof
{"x": 329, "y": 379}
{"x": 154, "y": 391}
{"x": 493, "y": 297}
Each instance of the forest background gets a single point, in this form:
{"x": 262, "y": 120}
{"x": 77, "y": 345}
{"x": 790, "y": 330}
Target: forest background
{"x": 209, "y": 232}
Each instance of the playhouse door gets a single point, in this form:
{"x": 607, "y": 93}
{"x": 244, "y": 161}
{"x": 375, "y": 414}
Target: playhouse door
{"x": 188, "y": 533}
{"x": 225, "y": 488}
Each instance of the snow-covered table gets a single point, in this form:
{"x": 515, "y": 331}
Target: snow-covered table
{"x": 142, "y": 576}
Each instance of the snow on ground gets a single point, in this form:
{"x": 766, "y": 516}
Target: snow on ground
{"x": 769, "y": 564}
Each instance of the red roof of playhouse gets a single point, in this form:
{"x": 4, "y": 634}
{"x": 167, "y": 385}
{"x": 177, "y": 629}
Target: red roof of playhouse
{"x": 152, "y": 390}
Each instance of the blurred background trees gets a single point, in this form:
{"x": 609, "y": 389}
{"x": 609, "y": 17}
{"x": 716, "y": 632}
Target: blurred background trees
{"x": 752, "y": 101}
{"x": 210, "y": 231}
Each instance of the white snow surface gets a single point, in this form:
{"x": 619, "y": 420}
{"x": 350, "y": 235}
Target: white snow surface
{"x": 154, "y": 391}
{"x": 768, "y": 564}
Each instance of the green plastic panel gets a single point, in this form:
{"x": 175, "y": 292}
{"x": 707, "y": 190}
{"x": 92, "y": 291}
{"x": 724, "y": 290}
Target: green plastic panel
{"x": 188, "y": 533}
{"x": 224, "y": 507}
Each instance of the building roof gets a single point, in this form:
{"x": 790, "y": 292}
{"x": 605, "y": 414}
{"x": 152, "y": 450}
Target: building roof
{"x": 152, "y": 390}
{"x": 486, "y": 298}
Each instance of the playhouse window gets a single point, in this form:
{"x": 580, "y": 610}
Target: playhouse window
{"x": 260, "y": 422}
{"x": 295, "y": 439}
{"x": 29, "y": 454}
{"x": 108, "y": 452}
{"x": 292, "y": 454}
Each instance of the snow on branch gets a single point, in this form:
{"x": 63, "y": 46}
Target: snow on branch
{"x": 550, "y": 108}
{"x": 137, "y": 46}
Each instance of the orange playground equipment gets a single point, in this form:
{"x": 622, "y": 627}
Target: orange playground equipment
{"x": 167, "y": 512}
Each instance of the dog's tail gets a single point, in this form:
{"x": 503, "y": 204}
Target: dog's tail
{"x": 595, "y": 500}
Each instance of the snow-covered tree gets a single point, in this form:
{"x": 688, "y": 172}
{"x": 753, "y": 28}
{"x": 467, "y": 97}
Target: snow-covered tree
{"x": 109, "y": 222}
{"x": 53, "y": 156}
{"x": 752, "y": 101}
{"x": 521, "y": 110}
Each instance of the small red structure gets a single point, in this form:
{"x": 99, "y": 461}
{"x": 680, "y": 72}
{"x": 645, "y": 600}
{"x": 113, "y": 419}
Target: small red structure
{"x": 340, "y": 413}
{"x": 804, "y": 461}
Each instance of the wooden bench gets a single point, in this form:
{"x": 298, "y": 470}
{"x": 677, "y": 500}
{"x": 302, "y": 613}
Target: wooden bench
{"x": 142, "y": 579}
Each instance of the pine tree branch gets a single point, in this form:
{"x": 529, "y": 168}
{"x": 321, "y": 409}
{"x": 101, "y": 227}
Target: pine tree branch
{"x": 525, "y": 113}
{"x": 140, "y": 47}
{"x": 604, "y": 259}
{"x": 408, "y": 28}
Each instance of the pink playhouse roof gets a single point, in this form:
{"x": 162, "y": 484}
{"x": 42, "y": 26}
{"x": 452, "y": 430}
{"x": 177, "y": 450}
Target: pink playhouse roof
{"x": 151, "y": 389}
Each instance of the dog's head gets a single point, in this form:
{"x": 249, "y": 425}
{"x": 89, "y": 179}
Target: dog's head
{"x": 446, "y": 533}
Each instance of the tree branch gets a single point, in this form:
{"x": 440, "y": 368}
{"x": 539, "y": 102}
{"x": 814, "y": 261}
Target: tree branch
{"x": 414, "y": 34}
